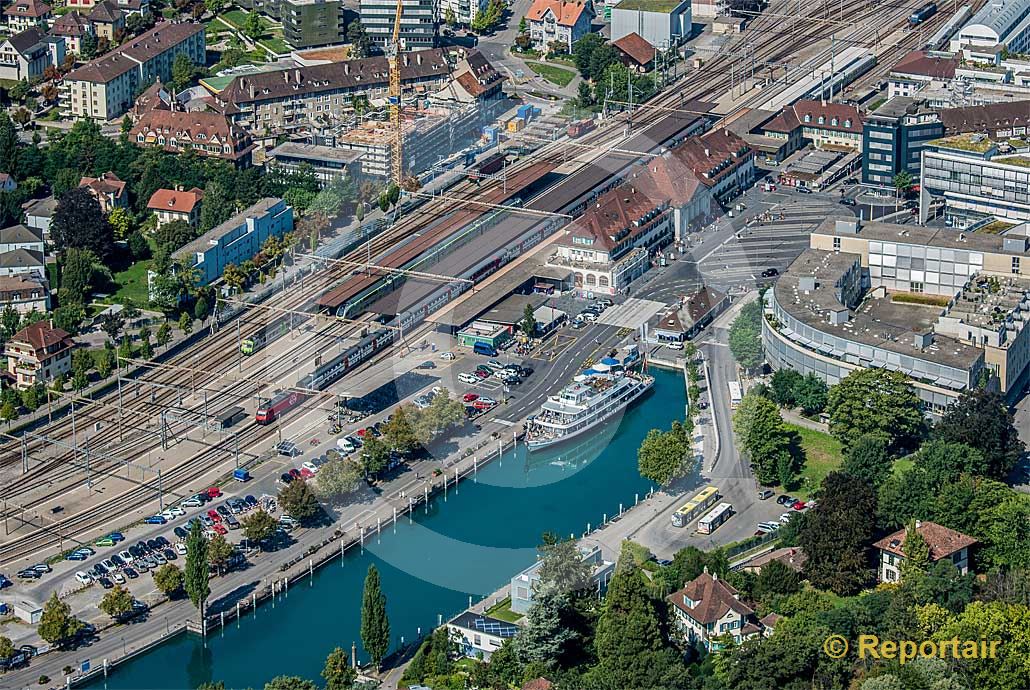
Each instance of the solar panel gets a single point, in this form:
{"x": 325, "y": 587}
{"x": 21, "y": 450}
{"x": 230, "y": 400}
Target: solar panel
{"x": 495, "y": 627}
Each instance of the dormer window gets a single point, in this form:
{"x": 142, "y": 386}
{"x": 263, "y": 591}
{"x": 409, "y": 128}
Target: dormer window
{"x": 833, "y": 122}
{"x": 808, "y": 117}
{"x": 822, "y": 119}
{"x": 690, "y": 603}
{"x": 847, "y": 123}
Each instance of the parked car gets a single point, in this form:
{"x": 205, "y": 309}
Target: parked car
{"x": 117, "y": 561}
{"x": 784, "y": 499}
{"x": 449, "y": 356}
{"x": 213, "y": 492}
{"x": 847, "y": 201}
{"x": 104, "y": 541}
{"x": 427, "y": 365}
{"x": 285, "y": 478}
{"x": 220, "y": 529}
{"x": 76, "y": 556}
{"x": 251, "y": 501}
{"x": 155, "y": 520}
{"x": 180, "y": 548}
{"x": 215, "y": 517}
{"x": 117, "y": 536}
{"x": 785, "y": 518}
{"x": 770, "y": 273}
{"x": 306, "y": 473}
{"x": 105, "y": 583}
{"x": 127, "y": 556}
{"x": 799, "y": 505}
{"x": 311, "y": 466}
{"x": 169, "y": 554}
{"x": 84, "y": 578}
{"x": 181, "y": 533}
{"x": 768, "y": 526}
{"x": 764, "y": 494}
{"x": 223, "y": 509}
{"x": 469, "y": 397}
{"x": 28, "y": 574}
{"x": 192, "y": 502}
{"x": 130, "y": 573}
{"x": 118, "y": 578}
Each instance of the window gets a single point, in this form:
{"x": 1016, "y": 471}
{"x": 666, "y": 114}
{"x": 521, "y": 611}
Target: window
{"x": 1015, "y": 264}
{"x": 836, "y": 244}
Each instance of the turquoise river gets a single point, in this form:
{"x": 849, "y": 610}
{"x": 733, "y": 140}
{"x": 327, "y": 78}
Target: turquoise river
{"x": 467, "y": 545}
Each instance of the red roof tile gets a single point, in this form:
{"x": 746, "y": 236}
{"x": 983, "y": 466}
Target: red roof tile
{"x": 942, "y": 540}
{"x": 919, "y": 63}
{"x": 28, "y": 8}
{"x": 714, "y": 599}
{"x": 107, "y": 183}
{"x": 42, "y": 335}
{"x": 176, "y": 201}
{"x": 636, "y": 48}
{"x": 565, "y": 13}
{"x": 610, "y": 220}
{"x": 200, "y": 127}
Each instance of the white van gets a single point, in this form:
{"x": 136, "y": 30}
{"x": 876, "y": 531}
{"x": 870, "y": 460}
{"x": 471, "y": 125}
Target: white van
{"x": 344, "y": 445}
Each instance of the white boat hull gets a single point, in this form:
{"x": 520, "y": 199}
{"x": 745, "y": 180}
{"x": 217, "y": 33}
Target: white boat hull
{"x": 538, "y": 443}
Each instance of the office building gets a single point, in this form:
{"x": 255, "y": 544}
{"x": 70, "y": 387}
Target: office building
{"x": 892, "y": 138}
{"x": 419, "y": 23}
{"x": 999, "y": 121}
{"x": 238, "y": 239}
{"x": 662, "y": 23}
{"x": 919, "y": 69}
{"x": 105, "y": 87}
{"x": 975, "y": 181}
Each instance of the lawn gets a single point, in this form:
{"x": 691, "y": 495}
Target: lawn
{"x": 555, "y": 75}
{"x": 276, "y": 45}
{"x": 132, "y": 284}
{"x": 822, "y": 455}
{"x": 502, "y": 611}
{"x": 902, "y": 465}
{"x": 239, "y": 17}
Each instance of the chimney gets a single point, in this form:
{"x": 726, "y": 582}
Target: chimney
{"x": 346, "y": 67}
{"x": 708, "y": 152}
{"x": 918, "y": 524}
{"x": 296, "y": 74}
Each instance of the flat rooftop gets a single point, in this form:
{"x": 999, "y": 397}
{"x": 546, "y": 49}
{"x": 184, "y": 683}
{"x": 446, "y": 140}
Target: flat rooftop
{"x": 511, "y": 309}
{"x": 876, "y": 322}
{"x": 947, "y": 238}
{"x": 663, "y": 6}
{"x": 987, "y": 301}
{"x": 494, "y": 291}
{"x": 315, "y": 152}
{"x": 977, "y": 143}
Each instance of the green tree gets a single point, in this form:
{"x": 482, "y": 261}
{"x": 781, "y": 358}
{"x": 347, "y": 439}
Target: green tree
{"x": 1010, "y": 626}
{"x": 776, "y": 578}
{"x": 234, "y": 277}
{"x": 602, "y": 59}
{"x": 943, "y": 462}
{"x": 746, "y": 336}
{"x": 79, "y": 223}
{"x": 183, "y": 70}
{"x": 811, "y": 394}
{"x": 164, "y": 333}
{"x": 290, "y": 683}
{"x": 562, "y": 568}
{"x": 112, "y": 323}
{"x": 8, "y": 145}
{"x": 186, "y": 323}
{"x": 449, "y": 17}
{"x": 79, "y": 275}
{"x": 917, "y": 552}
{"x": 837, "y": 532}
{"x": 337, "y": 672}
{"x": 982, "y": 420}
{"x": 875, "y": 401}
{"x": 583, "y": 50}
{"x": 6, "y": 647}
{"x": 169, "y": 579}
{"x": 197, "y": 569}
{"x": 297, "y": 499}
{"x": 399, "y": 431}
{"x": 375, "y": 455}
{"x": 762, "y": 436}
{"x": 258, "y": 526}
{"x": 88, "y": 46}
{"x": 442, "y": 414}
{"x": 632, "y": 649}
{"x": 546, "y": 636}
{"x": 121, "y": 222}
{"x": 201, "y": 309}
{"x": 253, "y": 27}
{"x": 106, "y": 361}
{"x": 375, "y": 626}
{"x": 30, "y": 397}
{"x": 117, "y": 603}
{"x": 219, "y": 551}
{"x": 784, "y": 385}
{"x": 869, "y": 460}
{"x": 904, "y": 497}
{"x": 361, "y": 44}
{"x": 528, "y": 323}
{"x": 664, "y": 456}
{"x": 339, "y": 477}
{"x": 56, "y": 625}
{"x": 584, "y": 95}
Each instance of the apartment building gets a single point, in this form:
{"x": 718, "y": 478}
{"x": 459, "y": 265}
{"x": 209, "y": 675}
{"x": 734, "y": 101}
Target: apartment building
{"x": 465, "y": 11}
{"x": 419, "y": 23}
{"x": 26, "y": 55}
{"x": 558, "y": 21}
{"x": 327, "y": 163}
{"x": 238, "y": 239}
{"x": 892, "y": 138}
{"x": 525, "y": 584}
{"x": 286, "y": 99}
{"x": 105, "y": 88}
{"x": 205, "y": 132}
{"x": 306, "y": 23}
{"x": 38, "y": 354}
{"x": 25, "y": 294}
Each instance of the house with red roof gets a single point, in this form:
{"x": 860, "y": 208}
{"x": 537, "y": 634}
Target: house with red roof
{"x": 822, "y": 123}
{"x": 108, "y": 189}
{"x": 558, "y": 21}
{"x": 709, "y": 608}
{"x": 38, "y": 353}
{"x": 917, "y": 69}
{"x": 943, "y": 542}
{"x": 206, "y": 132}
{"x": 635, "y": 52}
{"x": 25, "y": 14}
{"x": 176, "y": 204}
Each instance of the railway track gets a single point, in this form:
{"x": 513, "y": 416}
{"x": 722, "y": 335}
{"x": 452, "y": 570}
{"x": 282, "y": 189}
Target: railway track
{"x": 712, "y": 81}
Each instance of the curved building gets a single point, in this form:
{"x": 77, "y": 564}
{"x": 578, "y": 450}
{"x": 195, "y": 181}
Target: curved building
{"x": 999, "y": 22}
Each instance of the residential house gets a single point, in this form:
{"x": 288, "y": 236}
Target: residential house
{"x": 7, "y": 183}
{"x": 140, "y": 7}
{"x": 24, "y": 293}
{"x": 690, "y": 316}
{"x": 237, "y": 239}
{"x": 72, "y": 27}
{"x": 540, "y": 683}
{"x": 108, "y": 190}
{"x": 662, "y": 23}
{"x": 478, "y": 635}
{"x": 25, "y": 14}
{"x": 171, "y": 205}
{"x": 918, "y": 69}
{"x": 709, "y": 608}
{"x": 635, "y": 52}
{"x": 105, "y": 87}
{"x": 22, "y": 261}
{"x": 206, "y": 132}
{"x": 38, "y": 353}
{"x": 27, "y": 54}
{"x": 791, "y": 556}
{"x": 107, "y": 19}
{"x": 474, "y": 80}
{"x": 612, "y": 243}
{"x": 273, "y": 101}
{"x": 943, "y": 542}
{"x": 21, "y": 237}
{"x": 821, "y": 123}
{"x": 38, "y": 214}
{"x": 561, "y": 22}
{"x": 81, "y": 5}
{"x": 524, "y": 585}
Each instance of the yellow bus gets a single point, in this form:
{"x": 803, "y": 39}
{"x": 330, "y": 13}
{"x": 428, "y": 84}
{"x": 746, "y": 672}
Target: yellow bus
{"x": 702, "y": 501}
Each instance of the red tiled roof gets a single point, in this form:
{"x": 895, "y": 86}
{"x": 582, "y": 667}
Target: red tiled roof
{"x": 71, "y": 24}
{"x": 195, "y": 127}
{"x": 42, "y": 335}
{"x": 610, "y": 220}
{"x": 28, "y": 8}
{"x": 983, "y": 118}
{"x": 107, "y": 183}
{"x": 713, "y": 155}
{"x": 172, "y": 200}
{"x": 130, "y": 54}
{"x": 942, "y": 540}
{"x": 538, "y": 684}
{"x": 919, "y": 63}
{"x": 106, "y": 13}
{"x": 790, "y": 556}
{"x": 715, "y": 598}
{"x": 565, "y": 13}
{"x": 843, "y": 113}
{"x": 701, "y": 302}
{"x": 636, "y": 47}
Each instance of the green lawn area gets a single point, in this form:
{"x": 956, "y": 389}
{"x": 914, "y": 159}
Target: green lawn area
{"x": 822, "y": 456}
{"x": 276, "y": 45}
{"x": 238, "y": 17}
{"x": 502, "y": 611}
{"x": 555, "y": 75}
{"x": 132, "y": 284}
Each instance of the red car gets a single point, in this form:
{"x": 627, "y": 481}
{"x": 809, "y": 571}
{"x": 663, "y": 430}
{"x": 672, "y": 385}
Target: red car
{"x": 798, "y": 505}
{"x": 469, "y": 397}
{"x": 213, "y": 492}
{"x": 481, "y": 405}
{"x": 295, "y": 473}
{"x": 306, "y": 473}
{"x": 220, "y": 529}
{"x": 481, "y": 374}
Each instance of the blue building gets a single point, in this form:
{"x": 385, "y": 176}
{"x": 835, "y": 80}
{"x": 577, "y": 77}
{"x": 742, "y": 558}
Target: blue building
{"x": 238, "y": 239}
{"x": 892, "y": 138}
{"x": 525, "y": 583}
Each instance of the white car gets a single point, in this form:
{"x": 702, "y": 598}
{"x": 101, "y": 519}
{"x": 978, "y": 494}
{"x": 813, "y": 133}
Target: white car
{"x": 176, "y": 511}
{"x": 344, "y": 445}
{"x": 449, "y": 356}
{"x": 126, "y": 556}
{"x": 118, "y": 578}
{"x": 785, "y": 518}
{"x": 467, "y": 378}
{"x": 311, "y": 467}
{"x": 180, "y": 548}
{"x": 83, "y": 578}
{"x": 109, "y": 564}
{"x": 488, "y": 401}
{"x": 676, "y": 345}
{"x": 168, "y": 514}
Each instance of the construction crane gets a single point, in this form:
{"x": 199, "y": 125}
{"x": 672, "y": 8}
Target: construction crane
{"x": 393, "y": 56}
